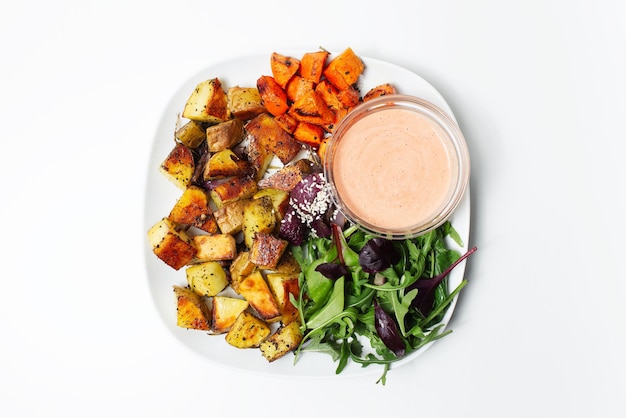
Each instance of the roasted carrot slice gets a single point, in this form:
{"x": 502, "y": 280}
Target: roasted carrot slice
{"x": 380, "y": 90}
{"x": 287, "y": 122}
{"x": 297, "y": 87}
{"x": 283, "y": 68}
{"x": 344, "y": 70}
{"x": 309, "y": 134}
{"x": 273, "y": 96}
{"x": 312, "y": 108}
{"x": 312, "y": 65}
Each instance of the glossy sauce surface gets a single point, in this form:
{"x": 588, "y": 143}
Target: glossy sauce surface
{"x": 392, "y": 168}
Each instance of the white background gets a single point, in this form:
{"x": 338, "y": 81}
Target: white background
{"x": 538, "y": 88}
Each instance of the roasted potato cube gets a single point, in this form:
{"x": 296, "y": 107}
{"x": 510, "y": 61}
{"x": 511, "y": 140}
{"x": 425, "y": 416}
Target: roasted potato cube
{"x": 170, "y": 244}
{"x": 224, "y": 135}
{"x": 193, "y": 209}
{"x": 225, "y": 312}
{"x": 224, "y": 164}
{"x": 245, "y": 102}
{"x": 288, "y": 264}
{"x": 280, "y": 200}
{"x": 283, "y": 68}
{"x": 380, "y": 90}
{"x": 288, "y": 176}
{"x": 240, "y": 268}
{"x": 178, "y": 166}
{"x": 229, "y": 217}
{"x": 248, "y": 331}
{"x": 344, "y": 70}
{"x": 284, "y": 340}
{"x": 191, "y": 134}
{"x": 255, "y": 290}
{"x": 259, "y": 156}
{"x": 310, "y": 134}
{"x": 312, "y": 65}
{"x": 258, "y": 217}
{"x": 273, "y": 96}
{"x": 207, "y": 103}
{"x": 191, "y": 311}
{"x": 312, "y": 108}
{"x": 207, "y": 279}
{"x": 215, "y": 247}
{"x": 266, "y": 250}
{"x": 273, "y": 137}
{"x": 283, "y": 285}
{"x": 234, "y": 189}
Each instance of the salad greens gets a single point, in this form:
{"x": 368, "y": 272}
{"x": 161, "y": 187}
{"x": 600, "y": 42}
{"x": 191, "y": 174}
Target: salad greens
{"x": 356, "y": 288}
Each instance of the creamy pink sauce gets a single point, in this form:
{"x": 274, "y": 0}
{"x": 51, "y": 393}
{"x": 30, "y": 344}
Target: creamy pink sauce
{"x": 392, "y": 170}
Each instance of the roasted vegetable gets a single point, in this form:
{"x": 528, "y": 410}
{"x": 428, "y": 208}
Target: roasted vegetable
{"x": 258, "y": 217}
{"x": 193, "y": 209}
{"x": 207, "y": 103}
{"x": 266, "y": 250}
{"x": 224, "y": 135}
{"x": 191, "y": 134}
{"x": 273, "y": 137}
{"x": 247, "y": 331}
{"x": 225, "y": 311}
{"x": 215, "y": 247}
{"x": 273, "y": 96}
{"x": 255, "y": 290}
{"x": 179, "y": 166}
{"x": 244, "y": 102}
{"x": 226, "y": 163}
{"x": 283, "y": 341}
{"x": 283, "y": 68}
{"x": 191, "y": 311}
{"x": 234, "y": 189}
{"x": 207, "y": 279}
{"x": 170, "y": 244}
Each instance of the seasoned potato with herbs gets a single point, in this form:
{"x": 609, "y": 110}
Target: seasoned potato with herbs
{"x": 207, "y": 279}
{"x": 224, "y": 135}
{"x": 282, "y": 285}
{"x": 267, "y": 250}
{"x": 258, "y": 216}
{"x": 245, "y": 102}
{"x": 240, "y": 268}
{"x": 247, "y": 331}
{"x": 191, "y": 134}
{"x": 215, "y": 247}
{"x": 207, "y": 103}
{"x": 170, "y": 244}
{"x": 225, "y": 312}
{"x": 234, "y": 189}
{"x": 179, "y": 166}
{"x": 191, "y": 311}
{"x": 283, "y": 341}
{"x": 226, "y": 163}
{"x": 273, "y": 137}
{"x": 280, "y": 200}
{"x": 193, "y": 209}
{"x": 255, "y": 290}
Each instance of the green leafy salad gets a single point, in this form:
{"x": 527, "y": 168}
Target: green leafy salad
{"x": 355, "y": 287}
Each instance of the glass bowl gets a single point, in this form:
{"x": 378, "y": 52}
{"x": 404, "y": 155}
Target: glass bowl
{"x": 397, "y": 165}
